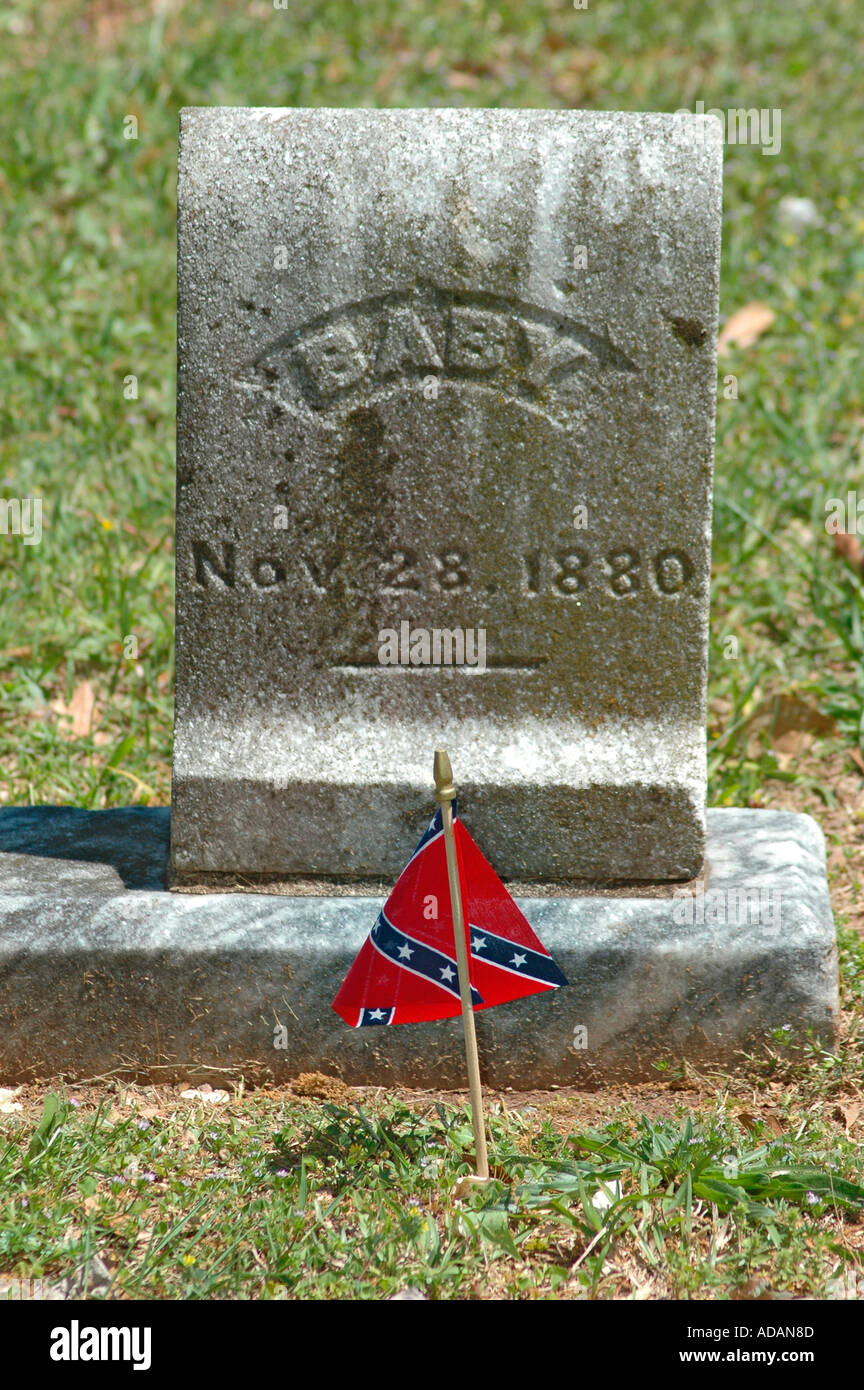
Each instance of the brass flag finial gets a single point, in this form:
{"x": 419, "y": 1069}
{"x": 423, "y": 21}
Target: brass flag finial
{"x": 443, "y": 774}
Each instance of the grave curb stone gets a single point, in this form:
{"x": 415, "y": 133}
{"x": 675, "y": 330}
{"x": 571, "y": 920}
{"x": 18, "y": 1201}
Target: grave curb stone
{"x": 101, "y": 971}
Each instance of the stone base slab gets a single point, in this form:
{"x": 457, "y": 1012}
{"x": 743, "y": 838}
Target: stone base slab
{"x": 102, "y": 970}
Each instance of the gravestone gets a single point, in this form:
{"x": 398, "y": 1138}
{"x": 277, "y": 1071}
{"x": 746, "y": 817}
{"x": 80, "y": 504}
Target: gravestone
{"x": 445, "y": 431}
{"x": 446, "y": 390}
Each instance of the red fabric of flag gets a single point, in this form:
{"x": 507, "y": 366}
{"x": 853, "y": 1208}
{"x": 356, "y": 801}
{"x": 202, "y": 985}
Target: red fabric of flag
{"x": 406, "y": 969}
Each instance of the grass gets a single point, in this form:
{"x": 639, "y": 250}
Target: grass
{"x": 88, "y": 281}
{"x": 86, "y": 636}
{"x": 260, "y": 1198}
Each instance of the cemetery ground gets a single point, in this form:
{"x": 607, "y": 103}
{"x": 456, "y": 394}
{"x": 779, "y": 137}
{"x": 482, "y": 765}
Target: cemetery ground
{"x": 698, "y": 1185}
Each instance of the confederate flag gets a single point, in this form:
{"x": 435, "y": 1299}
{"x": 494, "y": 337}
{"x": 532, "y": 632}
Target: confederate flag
{"x": 406, "y": 969}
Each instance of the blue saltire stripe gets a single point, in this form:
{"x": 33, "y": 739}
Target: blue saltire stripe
{"x": 517, "y": 960}
{"x": 418, "y": 958}
{"x": 370, "y": 1017}
{"x": 433, "y": 831}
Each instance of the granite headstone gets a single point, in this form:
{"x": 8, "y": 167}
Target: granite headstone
{"x": 445, "y": 427}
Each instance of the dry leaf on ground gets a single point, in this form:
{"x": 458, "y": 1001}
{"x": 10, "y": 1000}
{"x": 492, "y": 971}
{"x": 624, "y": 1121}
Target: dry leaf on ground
{"x": 745, "y": 326}
{"x": 8, "y": 1103}
{"x": 850, "y": 1113}
{"x": 847, "y": 547}
{"x": 856, "y": 757}
{"x": 210, "y": 1096}
{"x": 78, "y": 717}
{"x": 791, "y": 723}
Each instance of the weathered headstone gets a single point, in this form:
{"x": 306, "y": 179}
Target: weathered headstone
{"x": 446, "y": 389}
{"x": 448, "y": 374}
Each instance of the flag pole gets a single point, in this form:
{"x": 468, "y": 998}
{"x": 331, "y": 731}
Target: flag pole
{"x": 444, "y": 795}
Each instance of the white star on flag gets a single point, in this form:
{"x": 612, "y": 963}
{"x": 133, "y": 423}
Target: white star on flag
{"x": 518, "y": 960}
{"x": 377, "y": 1013}
{"x": 405, "y": 952}
{"x": 478, "y": 943}
{"x": 447, "y": 973}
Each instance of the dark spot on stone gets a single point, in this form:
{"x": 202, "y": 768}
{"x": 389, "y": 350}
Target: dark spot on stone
{"x": 690, "y": 331}
{"x": 364, "y": 492}
{"x": 365, "y": 435}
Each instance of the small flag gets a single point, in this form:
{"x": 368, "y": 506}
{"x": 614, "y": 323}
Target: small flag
{"x": 406, "y": 971}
